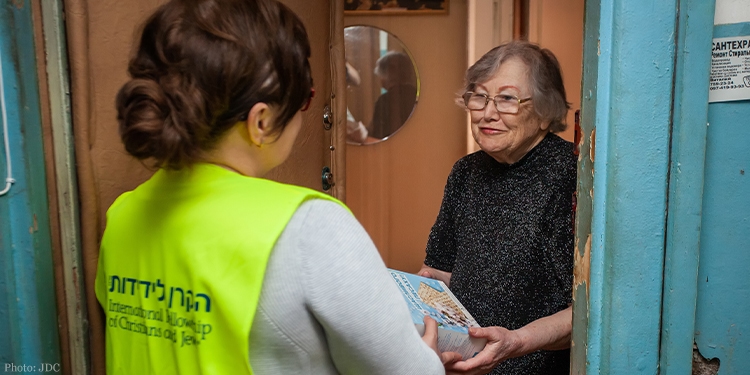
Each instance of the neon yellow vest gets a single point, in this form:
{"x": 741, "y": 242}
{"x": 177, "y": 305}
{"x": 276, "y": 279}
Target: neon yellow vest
{"x": 181, "y": 267}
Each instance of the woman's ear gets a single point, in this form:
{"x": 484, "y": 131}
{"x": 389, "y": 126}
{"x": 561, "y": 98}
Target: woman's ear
{"x": 544, "y": 125}
{"x": 259, "y": 123}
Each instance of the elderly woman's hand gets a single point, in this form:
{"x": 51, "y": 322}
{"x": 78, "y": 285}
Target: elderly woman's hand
{"x": 548, "y": 333}
{"x": 501, "y": 345}
{"x": 433, "y": 273}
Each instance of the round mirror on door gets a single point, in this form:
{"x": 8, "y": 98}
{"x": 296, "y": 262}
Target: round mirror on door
{"x": 382, "y": 82}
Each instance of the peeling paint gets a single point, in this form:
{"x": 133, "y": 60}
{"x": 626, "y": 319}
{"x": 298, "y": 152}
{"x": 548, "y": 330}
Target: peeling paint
{"x": 35, "y": 226}
{"x": 702, "y": 365}
{"x": 582, "y": 266}
{"x": 592, "y": 149}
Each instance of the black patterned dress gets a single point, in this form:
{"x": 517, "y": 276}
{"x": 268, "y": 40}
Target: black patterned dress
{"x": 506, "y": 234}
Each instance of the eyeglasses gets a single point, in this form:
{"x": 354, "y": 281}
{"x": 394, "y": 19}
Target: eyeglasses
{"x": 504, "y": 103}
{"x": 309, "y": 100}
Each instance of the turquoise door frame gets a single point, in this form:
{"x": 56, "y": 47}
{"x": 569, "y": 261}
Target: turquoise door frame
{"x": 643, "y": 116}
{"x": 686, "y": 180}
{"x": 28, "y": 313}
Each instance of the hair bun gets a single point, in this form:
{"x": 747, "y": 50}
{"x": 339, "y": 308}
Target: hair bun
{"x": 147, "y": 125}
{"x": 200, "y": 66}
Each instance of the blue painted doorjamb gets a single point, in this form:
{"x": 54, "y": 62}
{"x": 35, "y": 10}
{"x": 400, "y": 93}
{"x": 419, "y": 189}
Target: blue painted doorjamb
{"x": 28, "y": 313}
{"x": 584, "y": 190}
{"x": 635, "y": 57}
{"x": 693, "y": 65}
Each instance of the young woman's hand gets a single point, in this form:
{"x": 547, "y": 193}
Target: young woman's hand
{"x": 430, "y": 338}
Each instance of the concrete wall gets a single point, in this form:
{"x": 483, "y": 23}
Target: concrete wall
{"x": 723, "y": 304}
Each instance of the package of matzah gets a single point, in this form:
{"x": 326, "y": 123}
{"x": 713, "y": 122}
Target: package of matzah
{"x": 431, "y": 297}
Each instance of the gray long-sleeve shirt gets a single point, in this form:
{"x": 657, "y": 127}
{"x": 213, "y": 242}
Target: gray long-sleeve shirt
{"x": 329, "y": 306}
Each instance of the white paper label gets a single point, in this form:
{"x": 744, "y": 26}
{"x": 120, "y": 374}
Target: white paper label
{"x": 730, "y": 69}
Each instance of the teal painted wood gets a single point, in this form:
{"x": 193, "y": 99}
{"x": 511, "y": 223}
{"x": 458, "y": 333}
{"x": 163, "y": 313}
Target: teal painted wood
{"x": 55, "y": 49}
{"x": 696, "y": 19}
{"x": 722, "y": 316}
{"x": 584, "y": 189}
{"x": 28, "y": 314}
{"x": 633, "y": 115}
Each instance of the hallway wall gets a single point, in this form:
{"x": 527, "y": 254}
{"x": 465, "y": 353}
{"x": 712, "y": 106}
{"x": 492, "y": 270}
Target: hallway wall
{"x": 558, "y": 26}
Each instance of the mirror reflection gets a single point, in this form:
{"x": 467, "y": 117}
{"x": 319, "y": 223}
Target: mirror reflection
{"x": 382, "y": 84}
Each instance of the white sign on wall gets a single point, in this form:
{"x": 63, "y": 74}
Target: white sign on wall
{"x": 730, "y": 69}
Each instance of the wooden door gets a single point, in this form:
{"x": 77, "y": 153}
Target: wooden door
{"x": 100, "y": 40}
{"x": 313, "y": 148}
{"x": 395, "y": 187}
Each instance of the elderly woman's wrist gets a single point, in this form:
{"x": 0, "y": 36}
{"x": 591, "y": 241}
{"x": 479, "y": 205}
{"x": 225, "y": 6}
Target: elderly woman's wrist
{"x": 519, "y": 343}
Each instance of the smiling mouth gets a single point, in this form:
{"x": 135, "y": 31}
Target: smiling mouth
{"x": 491, "y": 131}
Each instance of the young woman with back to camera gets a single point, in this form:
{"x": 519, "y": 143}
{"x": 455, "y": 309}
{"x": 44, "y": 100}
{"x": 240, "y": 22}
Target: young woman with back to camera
{"x": 208, "y": 268}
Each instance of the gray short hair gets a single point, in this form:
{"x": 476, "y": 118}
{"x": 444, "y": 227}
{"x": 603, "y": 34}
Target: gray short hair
{"x": 545, "y": 77}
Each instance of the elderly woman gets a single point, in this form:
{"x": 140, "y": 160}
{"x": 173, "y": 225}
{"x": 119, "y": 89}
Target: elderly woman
{"x": 503, "y": 239}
